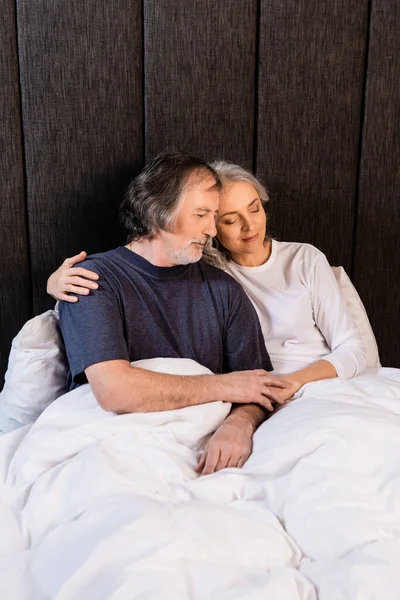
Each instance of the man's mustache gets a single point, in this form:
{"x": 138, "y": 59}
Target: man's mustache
{"x": 203, "y": 241}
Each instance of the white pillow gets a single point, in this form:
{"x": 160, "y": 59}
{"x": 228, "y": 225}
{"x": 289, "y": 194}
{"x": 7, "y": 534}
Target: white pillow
{"x": 36, "y": 374}
{"x": 173, "y": 366}
{"x": 359, "y": 314}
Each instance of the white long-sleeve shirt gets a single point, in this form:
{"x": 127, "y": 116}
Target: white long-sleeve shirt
{"x": 301, "y": 311}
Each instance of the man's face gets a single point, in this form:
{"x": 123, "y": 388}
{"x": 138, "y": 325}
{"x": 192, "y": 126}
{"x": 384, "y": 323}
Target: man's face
{"x": 195, "y": 222}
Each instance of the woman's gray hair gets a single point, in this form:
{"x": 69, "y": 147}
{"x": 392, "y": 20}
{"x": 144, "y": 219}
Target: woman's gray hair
{"x": 214, "y": 253}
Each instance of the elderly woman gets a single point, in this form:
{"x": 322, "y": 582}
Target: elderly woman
{"x": 308, "y": 330}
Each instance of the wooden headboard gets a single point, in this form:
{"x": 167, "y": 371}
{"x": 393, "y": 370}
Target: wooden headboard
{"x": 304, "y": 92}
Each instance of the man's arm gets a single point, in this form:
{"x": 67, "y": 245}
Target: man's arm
{"x": 253, "y": 415}
{"x": 120, "y": 388}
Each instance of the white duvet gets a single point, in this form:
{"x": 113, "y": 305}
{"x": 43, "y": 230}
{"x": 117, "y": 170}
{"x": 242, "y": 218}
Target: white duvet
{"x": 95, "y": 506}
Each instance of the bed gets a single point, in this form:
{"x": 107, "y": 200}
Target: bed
{"x": 98, "y": 506}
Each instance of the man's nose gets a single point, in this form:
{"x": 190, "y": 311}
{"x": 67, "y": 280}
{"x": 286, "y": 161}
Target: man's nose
{"x": 210, "y": 228}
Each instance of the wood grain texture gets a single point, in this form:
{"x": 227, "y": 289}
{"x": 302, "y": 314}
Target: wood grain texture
{"x": 309, "y": 99}
{"x": 81, "y": 82}
{"x": 377, "y": 249}
{"x": 200, "y": 77}
{"x": 15, "y": 298}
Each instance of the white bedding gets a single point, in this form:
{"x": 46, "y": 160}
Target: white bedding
{"x": 95, "y": 506}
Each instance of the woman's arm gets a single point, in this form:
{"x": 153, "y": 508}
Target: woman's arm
{"x": 321, "y": 369}
{"x": 67, "y": 280}
{"x": 333, "y": 319}
{"x": 347, "y": 355}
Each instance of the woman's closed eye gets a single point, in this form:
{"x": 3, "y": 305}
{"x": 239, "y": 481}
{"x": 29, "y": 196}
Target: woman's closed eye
{"x": 231, "y": 222}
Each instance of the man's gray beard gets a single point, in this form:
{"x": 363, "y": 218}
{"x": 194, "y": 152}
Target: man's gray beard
{"x": 189, "y": 254}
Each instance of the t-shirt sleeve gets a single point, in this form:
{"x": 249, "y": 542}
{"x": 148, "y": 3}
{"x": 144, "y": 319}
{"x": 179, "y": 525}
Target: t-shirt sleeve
{"x": 244, "y": 346}
{"x": 335, "y": 322}
{"x": 92, "y": 328}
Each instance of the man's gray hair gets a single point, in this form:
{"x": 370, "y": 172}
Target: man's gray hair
{"x": 214, "y": 252}
{"x": 153, "y": 198}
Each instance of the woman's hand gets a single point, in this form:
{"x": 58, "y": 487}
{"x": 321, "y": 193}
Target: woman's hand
{"x": 321, "y": 369}
{"x": 67, "y": 280}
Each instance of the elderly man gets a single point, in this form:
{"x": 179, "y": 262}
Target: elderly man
{"x": 157, "y": 298}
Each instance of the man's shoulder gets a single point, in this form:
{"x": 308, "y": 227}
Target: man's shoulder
{"x": 101, "y": 261}
{"x": 105, "y": 264}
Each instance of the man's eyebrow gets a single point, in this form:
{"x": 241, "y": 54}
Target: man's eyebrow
{"x": 234, "y": 212}
{"x": 214, "y": 187}
{"x": 205, "y": 209}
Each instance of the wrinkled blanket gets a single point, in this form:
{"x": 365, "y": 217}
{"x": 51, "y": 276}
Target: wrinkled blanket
{"x": 95, "y": 506}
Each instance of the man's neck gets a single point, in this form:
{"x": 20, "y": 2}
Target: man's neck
{"x": 151, "y": 250}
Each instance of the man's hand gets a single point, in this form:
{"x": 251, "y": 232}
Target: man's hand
{"x": 255, "y": 387}
{"x": 229, "y": 446}
{"x": 283, "y": 395}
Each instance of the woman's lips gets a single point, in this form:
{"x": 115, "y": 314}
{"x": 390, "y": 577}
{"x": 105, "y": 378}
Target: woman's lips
{"x": 253, "y": 238}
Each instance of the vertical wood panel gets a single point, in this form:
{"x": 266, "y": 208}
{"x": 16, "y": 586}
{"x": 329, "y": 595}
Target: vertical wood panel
{"x": 377, "y": 255}
{"x": 200, "y": 70}
{"x": 81, "y": 82}
{"x": 82, "y": 99}
{"x": 310, "y": 97}
{"x": 15, "y": 300}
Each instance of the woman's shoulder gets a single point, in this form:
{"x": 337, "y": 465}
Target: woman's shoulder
{"x": 299, "y": 250}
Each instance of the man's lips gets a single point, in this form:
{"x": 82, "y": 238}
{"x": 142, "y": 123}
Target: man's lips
{"x": 253, "y": 238}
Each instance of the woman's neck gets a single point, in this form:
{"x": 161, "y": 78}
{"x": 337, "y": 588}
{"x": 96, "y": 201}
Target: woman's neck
{"x": 255, "y": 259}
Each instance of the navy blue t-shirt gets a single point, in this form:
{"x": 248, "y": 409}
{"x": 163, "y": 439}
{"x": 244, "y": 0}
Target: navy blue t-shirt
{"x": 142, "y": 311}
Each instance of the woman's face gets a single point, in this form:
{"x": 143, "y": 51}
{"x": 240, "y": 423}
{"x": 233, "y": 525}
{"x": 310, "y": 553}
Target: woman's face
{"x": 241, "y": 221}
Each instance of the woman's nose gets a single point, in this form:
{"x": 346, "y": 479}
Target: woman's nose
{"x": 246, "y": 224}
